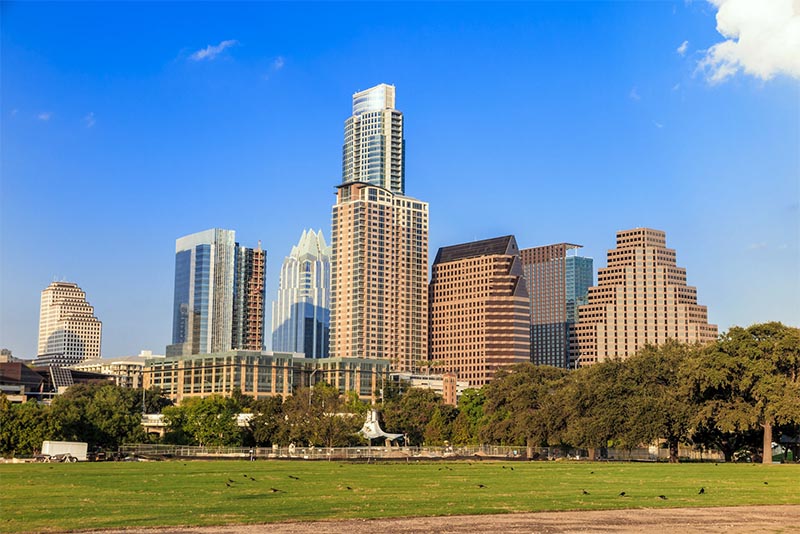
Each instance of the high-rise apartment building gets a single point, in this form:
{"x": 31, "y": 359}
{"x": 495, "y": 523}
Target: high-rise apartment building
{"x": 557, "y": 283}
{"x": 479, "y": 309}
{"x": 374, "y": 147}
{"x": 379, "y": 241}
{"x": 301, "y": 313}
{"x": 641, "y": 297}
{"x": 249, "y": 290}
{"x": 219, "y": 294}
{"x": 68, "y": 328}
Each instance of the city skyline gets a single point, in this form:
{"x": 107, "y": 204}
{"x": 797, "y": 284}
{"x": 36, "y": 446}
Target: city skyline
{"x": 126, "y": 134}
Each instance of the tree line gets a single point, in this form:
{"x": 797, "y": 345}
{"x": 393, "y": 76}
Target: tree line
{"x": 737, "y": 395}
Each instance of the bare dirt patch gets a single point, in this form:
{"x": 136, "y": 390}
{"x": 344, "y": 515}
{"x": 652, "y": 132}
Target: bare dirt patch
{"x": 739, "y": 519}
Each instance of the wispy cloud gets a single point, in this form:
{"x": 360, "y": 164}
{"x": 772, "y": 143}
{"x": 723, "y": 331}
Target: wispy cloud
{"x": 681, "y": 50}
{"x": 634, "y": 94}
{"x": 278, "y": 63}
{"x": 89, "y": 119}
{"x": 758, "y": 246}
{"x": 14, "y": 112}
{"x": 676, "y": 87}
{"x": 761, "y": 38}
{"x": 657, "y": 124}
{"x": 212, "y": 51}
{"x": 44, "y": 116}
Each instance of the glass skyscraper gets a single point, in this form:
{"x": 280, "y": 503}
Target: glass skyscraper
{"x": 301, "y": 314}
{"x": 202, "y": 313}
{"x": 373, "y": 150}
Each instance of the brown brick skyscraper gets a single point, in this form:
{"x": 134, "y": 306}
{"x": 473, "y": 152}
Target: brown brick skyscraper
{"x": 641, "y": 297}
{"x": 479, "y": 309}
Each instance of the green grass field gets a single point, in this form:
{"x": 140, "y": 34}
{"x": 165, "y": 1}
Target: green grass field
{"x": 58, "y": 497}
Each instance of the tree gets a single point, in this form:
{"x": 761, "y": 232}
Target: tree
{"x": 207, "y": 421}
{"x": 517, "y": 410}
{"x": 24, "y": 427}
{"x": 410, "y": 413}
{"x": 659, "y": 406}
{"x": 439, "y": 429}
{"x": 748, "y": 380}
{"x": 267, "y": 425}
{"x": 467, "y": 424}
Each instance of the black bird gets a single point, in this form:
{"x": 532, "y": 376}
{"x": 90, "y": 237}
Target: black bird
{"x": 591, "y": 473}
{"x": 512, "y": 468}
{"x": 662, "y": 497}
{"x": 245, "y": 476}
{"x": 622, "y": 494}
{"x": 765, "y": 482}
{"x": 702, "y": 491}
{"x": 585, "y": 492}
{"x": 294, "y": 477}
{"x": 274, "y": 490}
{"x": 230, "y": 480}
{"x": 504, "y": 467}
{"x": 251, "y": 478}
{"x": 481, "y": 486}
{"x": 227, "y": 484}
{"x": 439, "y": 469}
{"x": 348, "y": 487}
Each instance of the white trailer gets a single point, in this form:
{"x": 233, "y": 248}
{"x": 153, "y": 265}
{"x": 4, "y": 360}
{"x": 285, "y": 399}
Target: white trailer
{"x": 76, "y": 449}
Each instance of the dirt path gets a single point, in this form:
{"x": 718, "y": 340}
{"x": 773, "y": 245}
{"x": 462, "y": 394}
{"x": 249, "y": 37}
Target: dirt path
{"x": 739, "y": 519}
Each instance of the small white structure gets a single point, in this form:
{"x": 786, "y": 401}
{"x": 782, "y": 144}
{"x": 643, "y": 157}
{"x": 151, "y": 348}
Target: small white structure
{"x": 372, "y": 429}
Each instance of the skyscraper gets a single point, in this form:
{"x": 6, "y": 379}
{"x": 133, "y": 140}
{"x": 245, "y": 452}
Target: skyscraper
{"x": 249, "y": 291}
{"x": 67, "y": 325}
{"x": 557, "y": 284}
{"x": 641, "y": 297}
{"x": 301, "y": 313}
{"x": 202, "y": 320}
{"x": 479, "y": 309}
{"x": 379, "y": 240}
{"x": 374, "y": 148}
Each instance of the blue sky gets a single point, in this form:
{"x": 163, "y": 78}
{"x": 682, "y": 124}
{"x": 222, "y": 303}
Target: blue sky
{"x": 563, "y": 121}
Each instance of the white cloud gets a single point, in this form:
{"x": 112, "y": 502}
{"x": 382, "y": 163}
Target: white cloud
{"x": 14, "y": 112}
{"x": 89, "y": 119}
{"x": 278, "y": 63}
{"x": 762, "y": 39}
{"x": 657, "y": 124}
{"x": 681, "y": 50}
{"x": 676, "y": 87}
{"x": 634, "y": 95}
{"x": 44, "y": 116}
{"x": 211, "y": 51}
{"x": 757, "y": 246}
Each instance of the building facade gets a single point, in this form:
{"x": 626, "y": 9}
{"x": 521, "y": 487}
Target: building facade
{"x": 557, "y": 283}
{"x": 479, "y": 309}
{"x": 379, "y": 242}
{"x": 641, "y": 297}
{"x": 261, "y": 374}
{"x": 219, "y": 294}
{"x": 374, "y": 147}
{"x": 68, "y": 328}
{"x": 249, "y": 291}
{"x": 301, "y": 313}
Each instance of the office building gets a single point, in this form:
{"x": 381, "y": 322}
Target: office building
{"x": 379, "y": 241}
{"x": 301, "y": 313}
{"x": 479, "y": 309}
{"x": 641, "y": 297}
{"x": 557, "y": 283}
{"x": 69, "y": 332}
{"x": 249, "y": 291}
{"x": 374, "y": 147}
{"x": 219, "y": 294}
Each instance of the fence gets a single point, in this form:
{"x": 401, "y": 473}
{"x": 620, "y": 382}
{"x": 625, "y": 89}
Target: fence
{"x": 399, "y": 453}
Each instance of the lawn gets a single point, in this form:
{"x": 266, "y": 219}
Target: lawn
{"x": 59, "y": 497}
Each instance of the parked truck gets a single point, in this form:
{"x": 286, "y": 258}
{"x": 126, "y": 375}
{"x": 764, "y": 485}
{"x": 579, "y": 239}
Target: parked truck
{"x": 74, "y": 449}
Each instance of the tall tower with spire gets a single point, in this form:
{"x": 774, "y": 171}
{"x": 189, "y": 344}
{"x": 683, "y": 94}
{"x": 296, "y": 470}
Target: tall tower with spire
{"x": 301, "y": 314}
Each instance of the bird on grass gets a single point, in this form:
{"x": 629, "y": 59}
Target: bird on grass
{"x": 621, "y": 493}
{"x": 591, "y": 472}
{"x": 504, "y": 467}
{"x": 765, "y": 482}
{"x": 702, "y": 491}
{"x": 662, "y": 497}
{"x": 227, "y": 484}
{"x": 481, "y": 486}
{"x": 230, "y": 480}
{"x": 251, "y": 478}
{"x": 245, "y": 476}
{"x": 294, "y": 477}
{"x": 512, "y": 468}
{"x": 348, "y": 488}
{"x": 274, "y": 490}
{"x": 585, "y": 492}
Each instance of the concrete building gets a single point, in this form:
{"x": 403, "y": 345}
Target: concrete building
{"x": 447, "y": 385}
{"x": 379, "y": 238}
{"x": 249, "y": 292}
{"x": 261, "y": 374}
{"x": 127, "y": 371}
{"x": 641, "y": 297}
{"x": 479, "y": 309}
{"x": 219, "y": 294}
{"x": 374, "y": 147}
{"x": 68, "y": 328}
{"x": 557, "y": 283}
{"x": 301, "y": 313}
